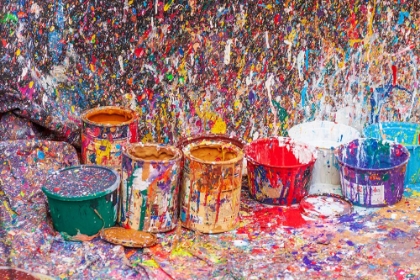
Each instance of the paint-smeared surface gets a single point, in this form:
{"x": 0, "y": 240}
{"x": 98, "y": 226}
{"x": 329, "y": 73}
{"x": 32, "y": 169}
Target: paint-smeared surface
{"x": 279, "y": 170}
{"x": 25, "y": 165}
{"x": 82, "y": 181}
{"x": 211, "y": 186}
{"x": 408, "y": 134}
{"x": 372, "y": 171}
{"x": 325, "y": 206}
{"x": 105, "y": 133}
{"x": 247, "y": 68}
{"x": 382, "y": 244}
{"x": 150, "y": 188}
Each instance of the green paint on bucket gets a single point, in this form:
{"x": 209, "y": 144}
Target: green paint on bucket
{"x": 82, "y": 199}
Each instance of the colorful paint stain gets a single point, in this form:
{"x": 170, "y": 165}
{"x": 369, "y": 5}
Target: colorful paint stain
{"x": 372, "y": 171}
{"x": 325, "y": 206}
{"x": 211, "y": 186}
{"x": 279, "y": 170}
{"x": 406, "y": 134}
{"x": 25, "y": 165}
{"x": 150, "y": 189}
{"x": 105, "y": 133}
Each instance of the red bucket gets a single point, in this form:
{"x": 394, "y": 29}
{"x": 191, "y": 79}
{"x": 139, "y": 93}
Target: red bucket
{"x": 279, "y": 170}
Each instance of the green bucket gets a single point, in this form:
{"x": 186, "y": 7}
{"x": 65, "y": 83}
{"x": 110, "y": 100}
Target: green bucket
{"x": 82, "y": 199}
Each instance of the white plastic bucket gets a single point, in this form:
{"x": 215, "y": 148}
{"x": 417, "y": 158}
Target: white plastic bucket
{"x": 325, "y": 136}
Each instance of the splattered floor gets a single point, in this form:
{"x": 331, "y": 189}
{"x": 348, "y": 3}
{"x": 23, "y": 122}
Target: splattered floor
{"x": 270, "y": 242}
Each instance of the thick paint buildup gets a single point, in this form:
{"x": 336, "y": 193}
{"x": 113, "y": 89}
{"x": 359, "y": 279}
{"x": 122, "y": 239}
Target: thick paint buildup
{"x": 80, "y": 181}
{"x": 248, "y": 67}
{"x": 325, "y": 206}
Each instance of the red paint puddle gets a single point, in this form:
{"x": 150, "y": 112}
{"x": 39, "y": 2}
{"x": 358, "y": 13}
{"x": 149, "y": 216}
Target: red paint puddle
{"x": 269, "y": 219}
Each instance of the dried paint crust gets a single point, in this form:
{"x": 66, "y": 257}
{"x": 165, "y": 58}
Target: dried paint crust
{"x": 128, "y": 237}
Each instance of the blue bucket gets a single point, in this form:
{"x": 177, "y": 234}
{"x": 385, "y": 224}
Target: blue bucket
{"x": 406, "y": 134}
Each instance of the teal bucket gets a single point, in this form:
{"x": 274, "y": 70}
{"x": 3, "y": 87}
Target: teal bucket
{"x": 82, "y": 199}
{"x": 406, "y": 134}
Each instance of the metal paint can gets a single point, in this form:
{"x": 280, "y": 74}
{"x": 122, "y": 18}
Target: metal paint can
{"x": 150, "y": 189}
{"x": 105, "y": 133}
{"x": 211, "y": 186}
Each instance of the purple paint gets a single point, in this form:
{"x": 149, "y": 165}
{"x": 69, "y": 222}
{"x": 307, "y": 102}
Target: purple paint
{"x": 80, "y": 181}
{"x": 372, "y": 171}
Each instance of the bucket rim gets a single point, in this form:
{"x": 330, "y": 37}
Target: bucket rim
{"x": 255, "y": 162}
{"x": 408, "y": 125}
{"x": 333, "y": 124}
{"x": 240, "y": 154}
{"x": 177, "y": 151}
{"x": 405, "y": 150}
{"x": 182, "y": 142}
{"x": 109, "y": 190}
{"x": 84, "y": 116}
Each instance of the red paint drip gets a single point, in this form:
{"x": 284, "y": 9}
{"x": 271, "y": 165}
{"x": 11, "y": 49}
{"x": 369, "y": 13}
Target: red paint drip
{"x": 394, "y": 75}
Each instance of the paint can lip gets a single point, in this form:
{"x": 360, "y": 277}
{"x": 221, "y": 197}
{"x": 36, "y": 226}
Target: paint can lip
{"x": 86, "y": 114}
{"x": 177, "y": 152}
{"x": 337, "y": 153}
{"x": 269, "y": 139}
{"x": 208, "y": 136}
{"x": 238, "y": 151}
{"x": 109, "y": 190}
{"x": 295, "y": 134}
{"x": 369, "y": 130}
{"x": 320, "y": 196}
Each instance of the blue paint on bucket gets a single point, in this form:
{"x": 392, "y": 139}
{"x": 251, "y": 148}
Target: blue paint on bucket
{"x": 406, "y": 134}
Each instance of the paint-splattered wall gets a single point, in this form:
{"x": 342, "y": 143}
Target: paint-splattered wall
{"x": 247, "y": 68}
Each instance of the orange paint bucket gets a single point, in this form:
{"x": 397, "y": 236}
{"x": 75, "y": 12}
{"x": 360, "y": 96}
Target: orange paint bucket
{"x": 105, "y": 133}
{"x": 211, "y": 186}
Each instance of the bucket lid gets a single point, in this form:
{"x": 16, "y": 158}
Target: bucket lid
{"x": 325, "y": 206}
{"x": 81, "y": 182}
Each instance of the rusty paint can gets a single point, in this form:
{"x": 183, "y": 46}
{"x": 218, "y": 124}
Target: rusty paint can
{"x": 150, "y": 189}
{"x": 211, "y": 186}
{"x": 105, "y": 133}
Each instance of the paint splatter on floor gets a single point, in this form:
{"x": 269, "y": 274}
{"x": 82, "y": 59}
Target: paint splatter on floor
{"x": 273, "y": 242}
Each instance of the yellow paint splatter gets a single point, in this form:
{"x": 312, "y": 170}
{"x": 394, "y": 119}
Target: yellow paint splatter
{"x": 103, "y": 150}
{"x": 17, "y": 52}
{"x": 31, "y": 84}
{"x": 219, "y": 127}
{"x": 180, "y": 252}
{"x": 150, "y": 263}
{"x": 148, "y": 137}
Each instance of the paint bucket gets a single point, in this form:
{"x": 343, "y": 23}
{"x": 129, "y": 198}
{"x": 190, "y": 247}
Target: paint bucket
{"x": 105, "y": 133}
{"x": 279, "y": 170}
{"x": 408, "y": 135}
{"x": 214, "y": 137}
{"x": 82, "y": 199}
{"x": 325, "y": 206}
{"x": 325, "y": 136}
{"x": 372, "y": 171}
{"x": 149, "y": 197}
{"x": 211, "y": 186}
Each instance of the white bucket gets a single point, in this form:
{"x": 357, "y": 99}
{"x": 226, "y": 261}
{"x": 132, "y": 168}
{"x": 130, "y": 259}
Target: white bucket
{"x": 325, "y": 136}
